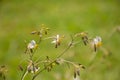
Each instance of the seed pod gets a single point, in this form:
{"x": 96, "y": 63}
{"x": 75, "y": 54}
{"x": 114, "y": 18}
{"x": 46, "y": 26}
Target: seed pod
{"x": 78, "y": 73}
{"x": 20, "y": 67}
{"x": 95, "y": 47}
{"x": 33, "y": 32}
{"x": 75, "y": 75}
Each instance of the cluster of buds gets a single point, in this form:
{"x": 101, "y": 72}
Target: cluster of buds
{"x": 3, "y": 70}
{"x": 43, "y": 30}
{"x": 96, "y": 43}
{"x": 57, "y": 40}
{"x": 48, "y": 64}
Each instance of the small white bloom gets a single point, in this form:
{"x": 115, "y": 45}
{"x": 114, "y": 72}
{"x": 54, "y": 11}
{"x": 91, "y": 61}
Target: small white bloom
{"x": 56, "y": 40}
{"x": 31, "y": 45}
{"x": 97, "y": 42}
{"x": 36, "y": 69}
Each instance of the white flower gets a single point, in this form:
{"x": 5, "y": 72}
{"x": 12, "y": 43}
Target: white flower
{"x": 56, "y": 40}
{"x": 32, "y": 45}
{"x": 97, "y": 42}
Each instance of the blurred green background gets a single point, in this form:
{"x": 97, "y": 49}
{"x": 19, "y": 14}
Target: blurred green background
{"x": 97, "y": 17}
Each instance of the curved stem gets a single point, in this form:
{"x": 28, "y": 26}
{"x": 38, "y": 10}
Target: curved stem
{"x": 48, "y": 38}
{"x": 71, "y": 43}
{"x": 69, "y": 62}
{"x": 25, "y": 73}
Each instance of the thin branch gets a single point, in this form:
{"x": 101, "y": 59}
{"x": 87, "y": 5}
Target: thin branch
{"x": 61, "y": 54}
{"x": 71, "y": 43}
{"x": 25, "y": 73}
{"x": 69, "y": 62}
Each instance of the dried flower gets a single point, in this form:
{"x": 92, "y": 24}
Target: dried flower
{"x": 3, "y": 70}
{"x": 59, "y": 61}
{"x": 97, "y": 42}
{"x": 83, "y": 36}
{"x": 43, "y": 30}
{"x": 57, "y": 40}
{"x": 32, "y": 68}
{"x": 48, "y": 64}
{"x": 77, "y": 69}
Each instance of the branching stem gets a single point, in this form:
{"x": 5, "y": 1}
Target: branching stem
{"x": 61, "y": 54}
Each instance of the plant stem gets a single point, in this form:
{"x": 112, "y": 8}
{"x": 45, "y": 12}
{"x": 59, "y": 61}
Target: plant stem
{"x": 26, "y": 72}
{"x": 61, "y": 54}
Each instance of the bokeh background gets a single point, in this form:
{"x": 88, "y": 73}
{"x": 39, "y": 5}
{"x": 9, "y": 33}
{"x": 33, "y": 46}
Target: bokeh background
{"x": 97, "y": 17}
